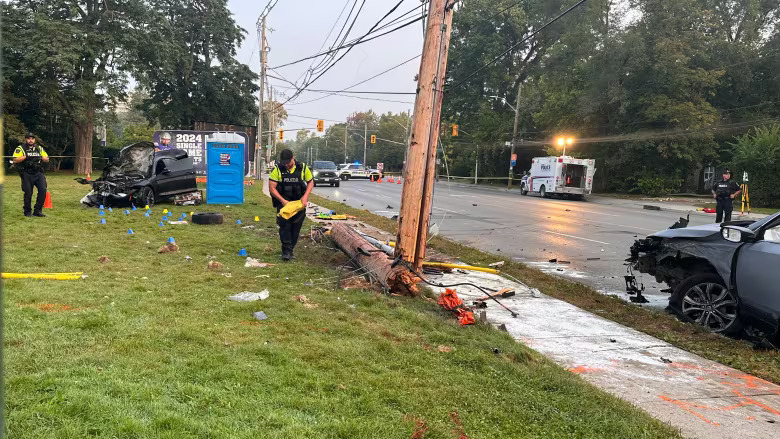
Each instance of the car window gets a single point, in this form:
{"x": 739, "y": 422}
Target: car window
{"x": 772, "y": 234}
{"x": 354, "y": 167}
{"x": 161, "y": 166}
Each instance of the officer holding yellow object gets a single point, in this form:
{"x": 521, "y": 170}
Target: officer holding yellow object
{"x": 290, "y": 183}
{"x": 29, "y": 159}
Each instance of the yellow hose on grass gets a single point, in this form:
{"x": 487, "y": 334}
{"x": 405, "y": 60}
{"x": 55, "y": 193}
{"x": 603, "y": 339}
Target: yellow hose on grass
{"x": 462, "y": 267}
{"x": 46, "y": 276}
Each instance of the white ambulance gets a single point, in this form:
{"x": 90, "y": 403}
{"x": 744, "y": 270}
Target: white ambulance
{"x": 565, "y": 176}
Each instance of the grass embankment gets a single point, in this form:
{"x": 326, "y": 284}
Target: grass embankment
{"x": 738, "y": 207}
{"x": 149, "y": 346}
{"x": 735, "y": 353}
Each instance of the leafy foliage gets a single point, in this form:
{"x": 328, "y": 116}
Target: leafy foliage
{"x": 758, "y": 154}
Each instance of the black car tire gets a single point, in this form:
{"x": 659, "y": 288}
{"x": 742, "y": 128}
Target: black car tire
{"x": 207, "y": 218}
{"x": 543, "y": 192}
{"x": 336, "y": 184}
{"x": 704, "y": 299}
{"x": 523, "y": 190}
{"x": 345, "y": 177}
{"x": 146, "y": 196}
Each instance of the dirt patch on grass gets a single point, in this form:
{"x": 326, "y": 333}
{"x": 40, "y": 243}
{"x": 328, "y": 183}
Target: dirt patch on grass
{"x": 51, "y": 307}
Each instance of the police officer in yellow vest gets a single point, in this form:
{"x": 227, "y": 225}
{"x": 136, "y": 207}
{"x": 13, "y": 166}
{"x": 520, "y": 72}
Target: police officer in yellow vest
{"x": 29, "y": 159}
{"x": 290, "y": 180}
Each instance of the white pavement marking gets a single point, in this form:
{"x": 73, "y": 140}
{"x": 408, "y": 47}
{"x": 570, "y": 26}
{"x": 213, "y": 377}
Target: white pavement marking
{"x": 576, "y": 237}
{"x": 702, "y": 398}
{"x": 446, "y": 210}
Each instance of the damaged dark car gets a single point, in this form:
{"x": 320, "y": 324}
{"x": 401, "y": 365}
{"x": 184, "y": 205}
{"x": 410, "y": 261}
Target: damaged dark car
{"x": 725, "y": 277}
{"x": 141, "y": 176}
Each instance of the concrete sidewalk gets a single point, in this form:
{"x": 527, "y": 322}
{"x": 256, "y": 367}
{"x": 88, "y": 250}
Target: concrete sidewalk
{"x": 702, "y": 398}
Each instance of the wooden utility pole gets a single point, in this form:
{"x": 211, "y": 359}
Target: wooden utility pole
{"x": 271, "y": 130}
{"x": 416, "y": 197}
{"x": 259, "y": 146}
{"x": 365, "y": 144}
{"x": 514, "y": 137}
{"x": 346, "y": 129}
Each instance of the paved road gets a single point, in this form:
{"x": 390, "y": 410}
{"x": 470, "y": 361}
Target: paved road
{"x": 594, "y": 236}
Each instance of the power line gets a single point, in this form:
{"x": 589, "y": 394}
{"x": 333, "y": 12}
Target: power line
{"x": 364, "y": 81}
{"x": 296, "y": 94}
{"x": 508, "y": 51}
{"x": 353, "y": 97}
{"x": 327, "y": 38}
{"x": 352, "y": 43}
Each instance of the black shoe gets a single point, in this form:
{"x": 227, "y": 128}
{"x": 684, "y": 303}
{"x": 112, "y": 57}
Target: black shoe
{"x": 39, "y": 214}
{"x": 28, "y": 214}
{"x": 286, "y": 256}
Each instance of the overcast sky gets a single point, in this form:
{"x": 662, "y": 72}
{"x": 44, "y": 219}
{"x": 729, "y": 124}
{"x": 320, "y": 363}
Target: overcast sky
{"x": 297, "y": 28}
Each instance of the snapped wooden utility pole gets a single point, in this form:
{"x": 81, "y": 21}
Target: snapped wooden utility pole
{"x": 416, "y": 196}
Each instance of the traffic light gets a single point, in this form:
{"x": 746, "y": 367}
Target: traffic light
{"x": 454, "y": 130}
{"x": 320, "y": 126}
{"x": 373, "y": 138}
{"x": 281, "y": 134}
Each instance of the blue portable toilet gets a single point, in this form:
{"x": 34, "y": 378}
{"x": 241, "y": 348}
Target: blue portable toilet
{"x": 225, "y": 168}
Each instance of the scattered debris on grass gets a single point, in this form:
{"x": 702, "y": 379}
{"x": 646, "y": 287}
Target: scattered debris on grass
{"x": 214, "y": 265}
{"x": 103, "y": 259}
{"x": 305, "y": 301}
{"x": 419, "y": 430}
{"x": 444, "y": 348}
{"x": 357, "y": 283}
{"x": 496, "y": 264}
{"x": 254, "y": 263}
{"x": 450, "y": 301}
{"x": 458, "y": 430}
{"x": 169, "y": 247}
{"x": 248, "y": 296}
{"x": 259, "y": 315}
{"x": 51, "y": 307}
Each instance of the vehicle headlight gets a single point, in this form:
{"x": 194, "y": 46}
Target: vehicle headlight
{"x": 316, "y": 173}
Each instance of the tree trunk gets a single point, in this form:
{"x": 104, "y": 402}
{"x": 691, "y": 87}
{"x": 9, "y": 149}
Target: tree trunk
{"x": 82, "y": 137}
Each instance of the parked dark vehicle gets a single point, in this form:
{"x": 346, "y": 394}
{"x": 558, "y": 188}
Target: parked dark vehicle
{"x": 140, "y": 176}
{"x": 724, "y": 277}
{"x": 325, "y": 172}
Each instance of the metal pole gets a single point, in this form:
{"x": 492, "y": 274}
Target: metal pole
{"x": 514, "y": 137}
{"x": 345, "y": 140}
{"x": 365, "y": 144}
{"x": 476, "y": 166}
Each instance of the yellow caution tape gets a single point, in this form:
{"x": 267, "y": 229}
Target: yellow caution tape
{"x": 47, "y": 276}
{"x": 462, "y": 267}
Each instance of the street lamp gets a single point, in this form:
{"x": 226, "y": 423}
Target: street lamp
{"x": 504, "y": 101}
{"x": 563, "y": 142}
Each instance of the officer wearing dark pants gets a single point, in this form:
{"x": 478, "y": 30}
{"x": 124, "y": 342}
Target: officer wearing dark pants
{"x": 29, "y": 159}
{"x": 290, "y": 180}
{"x": 725, "y": 191}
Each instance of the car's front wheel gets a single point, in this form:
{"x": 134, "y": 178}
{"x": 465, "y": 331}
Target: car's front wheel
{"x": 146, "y": 196}
{"x": 705, "y": 299}
{"x": 345, "y": 177}
{"x": 336, "y": 184}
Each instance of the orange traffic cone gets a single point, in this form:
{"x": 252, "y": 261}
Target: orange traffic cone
{"x": 47, "y": 202}
{"x": 88, "y": 179}
{"x": 391, "y": 180}
{"x": 398, "y": 181}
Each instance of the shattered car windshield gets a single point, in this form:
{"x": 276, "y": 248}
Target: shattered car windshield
{"x": 134, "y": 160}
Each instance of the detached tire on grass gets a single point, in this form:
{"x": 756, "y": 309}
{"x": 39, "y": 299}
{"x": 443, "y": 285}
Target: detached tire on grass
{"x": 206, "y": 218}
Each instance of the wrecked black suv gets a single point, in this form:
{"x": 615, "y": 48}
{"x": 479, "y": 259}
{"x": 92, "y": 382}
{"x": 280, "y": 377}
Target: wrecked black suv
{"x": 140, "y": 176}
{"x": 724, "y": 277}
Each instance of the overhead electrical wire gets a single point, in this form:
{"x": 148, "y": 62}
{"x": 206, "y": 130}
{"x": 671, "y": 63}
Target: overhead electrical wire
{"x": 356, "y": 41}
{"x": 324, "y": 42}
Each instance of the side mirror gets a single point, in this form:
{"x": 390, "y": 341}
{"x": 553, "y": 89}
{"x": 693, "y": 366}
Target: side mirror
{"x": 166, "y": 171}
{"x": 737, "y": 234}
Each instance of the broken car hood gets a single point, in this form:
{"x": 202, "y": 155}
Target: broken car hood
{"x": 134, "y": 160}
{"x": 689, "y": 232}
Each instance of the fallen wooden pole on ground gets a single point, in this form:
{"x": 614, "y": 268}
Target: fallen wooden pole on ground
{"x": 374, "y": 262}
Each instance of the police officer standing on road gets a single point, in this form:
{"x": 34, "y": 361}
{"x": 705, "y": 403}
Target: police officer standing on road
{"x": 725, "y": 191}
{"x": 29, "y": 159}
{"x": 290, "y": 180}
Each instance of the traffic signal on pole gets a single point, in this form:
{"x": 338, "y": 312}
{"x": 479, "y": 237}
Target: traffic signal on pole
{"x": 281, "y": 134}
{"x": 320, "y": 126}
{"x": 373, "y": 138}
{"x": 454, "y": 130}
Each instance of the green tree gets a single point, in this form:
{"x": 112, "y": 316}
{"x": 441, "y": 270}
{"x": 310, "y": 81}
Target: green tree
{"x": 758, "y": 154}
{"x": 76, "y": 56}
{"x": 191, "y": 73}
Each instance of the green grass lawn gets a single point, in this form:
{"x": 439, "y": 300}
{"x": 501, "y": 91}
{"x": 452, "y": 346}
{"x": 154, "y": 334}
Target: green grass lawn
{"x": 738, "y": 207}
{"x": 149, "y": 346}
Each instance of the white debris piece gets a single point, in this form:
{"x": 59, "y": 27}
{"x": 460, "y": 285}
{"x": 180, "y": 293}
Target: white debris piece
{"x": 248, "y": 296}
{"x": 496, "y": 264}
{"x": 254, "y": 263}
